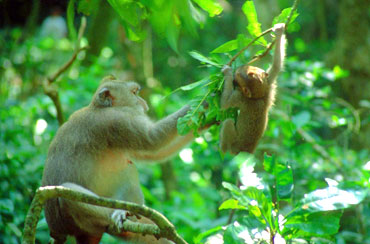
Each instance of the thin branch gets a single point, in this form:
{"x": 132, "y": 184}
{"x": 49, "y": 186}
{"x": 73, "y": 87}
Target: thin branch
{"x": 77, "y": 50}
{"x": 163, "y": 228}
{"x": 51, "y": 90}
{"x": 249, "y": 44}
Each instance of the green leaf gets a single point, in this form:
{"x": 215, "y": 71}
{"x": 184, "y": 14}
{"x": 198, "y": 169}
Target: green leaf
{"x": 212, "y": 7}
{"x": 232, "y": 188}
{"x": 315, "y": 224}
{"x": 283, "y": 176}
{"x": 129, "y": 11}
{"x": 183, "y": 124}
{"x": 88, "y": 7}
{"x": 172, "y": 35}
{"x": 269, "y": 163}
{"x": 232, "y": 232}
{"x": 226, "y": 47}
{"x": 194, "y": 84}
{"x": 284, "y": 181}
{"x": 231, "y": 204}
{"x": 329, "y": 199}
{"x": 283, "y": 16}
{"x": 70, "y": 19}
{"x": 207, "y": 233}
{"x": 203, "y": 59}
{"x": 254, "y": 27}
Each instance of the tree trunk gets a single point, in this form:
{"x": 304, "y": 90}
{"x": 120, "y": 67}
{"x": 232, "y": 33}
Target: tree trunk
{"x": 351, "y": 52}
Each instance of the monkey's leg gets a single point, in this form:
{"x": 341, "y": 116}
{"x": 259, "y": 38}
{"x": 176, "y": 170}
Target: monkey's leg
{"x": 91, "y": 219}
{"x": 228, "y": 136}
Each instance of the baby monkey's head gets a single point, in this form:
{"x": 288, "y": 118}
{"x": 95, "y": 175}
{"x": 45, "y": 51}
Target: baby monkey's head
{"x": 252, "y": 81}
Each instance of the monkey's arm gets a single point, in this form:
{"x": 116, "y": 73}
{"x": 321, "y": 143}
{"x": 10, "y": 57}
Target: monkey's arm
{"x": 279, "y": 53}
{"x": 229, "y": 97}
{"x": 139, "y": 134}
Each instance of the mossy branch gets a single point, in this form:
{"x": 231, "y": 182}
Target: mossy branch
{"x": 162, "y": 227}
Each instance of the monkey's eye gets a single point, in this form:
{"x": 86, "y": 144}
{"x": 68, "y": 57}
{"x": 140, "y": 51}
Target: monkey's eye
{"x": 136, "y": 91}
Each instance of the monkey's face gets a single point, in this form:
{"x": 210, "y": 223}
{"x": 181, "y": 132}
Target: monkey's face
{"x": 115, "y": 93}
{"x": 252, "y": 81}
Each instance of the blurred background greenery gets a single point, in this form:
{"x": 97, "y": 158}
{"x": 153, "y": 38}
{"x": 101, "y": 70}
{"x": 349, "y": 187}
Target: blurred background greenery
{"x": 320, "y": 123}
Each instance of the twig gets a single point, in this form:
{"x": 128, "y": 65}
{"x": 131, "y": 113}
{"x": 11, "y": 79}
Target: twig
{"x": 249, "y": 44}
{"x": 162, "y": 228}
{"x": 49, "y": 89}
{"x": 77, "y": 50}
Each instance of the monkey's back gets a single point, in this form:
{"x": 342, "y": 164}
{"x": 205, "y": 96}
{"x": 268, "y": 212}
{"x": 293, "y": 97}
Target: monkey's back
{"x": 69, "y": 155}
{"x": 251, "y": 124}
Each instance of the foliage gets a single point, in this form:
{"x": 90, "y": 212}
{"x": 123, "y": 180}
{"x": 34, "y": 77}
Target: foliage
{"x": 316, "y": 187}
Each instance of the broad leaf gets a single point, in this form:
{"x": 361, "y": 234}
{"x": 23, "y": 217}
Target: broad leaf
{"x": 203, "y": 59}
{"x": 284, "y": 181}
{"x": 315, "y": 224}
{"x": 232, "y": 234}
{"x": 226, "y": 47}
{"x": 254, "y": 27}
{"x": 212, "y": 7}
{"x": 194, "y": 84}
{"x": 283, "y": 16}
{"x": 329, "y": 199}
{"x": 231, "y": 204}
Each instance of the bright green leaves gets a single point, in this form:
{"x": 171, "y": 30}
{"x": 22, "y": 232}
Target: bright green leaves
{"x": 316, "y": 215}
{"x": 317, "y": 224}
{"x": 203, "y": 59}
{"x": 283, "y": 17}
{"x": 254, "y": 27}
{"x": 211, "y": 6}
{"x": 283, "y": 176}
{"x": 167, "y": 18}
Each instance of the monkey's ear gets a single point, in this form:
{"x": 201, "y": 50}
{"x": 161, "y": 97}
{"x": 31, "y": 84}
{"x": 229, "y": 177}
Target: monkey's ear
{"x": 108, "y": 78}
{"x": 105, "y": 98}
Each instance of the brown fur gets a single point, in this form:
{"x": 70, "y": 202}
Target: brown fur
{"x": 254, "y": 94}
{"x": 93, "y": 153}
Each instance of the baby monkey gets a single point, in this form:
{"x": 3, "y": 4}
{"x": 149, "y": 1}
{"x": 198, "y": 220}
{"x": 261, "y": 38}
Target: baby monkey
{"x": 254, "y": 94}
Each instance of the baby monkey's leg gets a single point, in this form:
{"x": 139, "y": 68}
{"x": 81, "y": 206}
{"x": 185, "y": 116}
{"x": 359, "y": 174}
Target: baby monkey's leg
{"x": 228, "y": 136}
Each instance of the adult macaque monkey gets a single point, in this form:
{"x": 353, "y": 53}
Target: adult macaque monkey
{"x": 94, "y": 152}
{"x": 253, "y": 94}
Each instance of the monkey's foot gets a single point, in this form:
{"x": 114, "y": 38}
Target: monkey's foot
{"x": 279, "y": 28}
{"x": 118, "y": 218}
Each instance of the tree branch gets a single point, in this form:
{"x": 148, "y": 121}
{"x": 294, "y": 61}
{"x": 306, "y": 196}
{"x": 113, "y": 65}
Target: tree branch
{"x": 51, "y": 90}
{"x": 162, "y": 228}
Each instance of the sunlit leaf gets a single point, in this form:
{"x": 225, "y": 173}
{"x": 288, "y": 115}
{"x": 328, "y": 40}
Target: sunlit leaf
{"x": 71, "y": 18}
{"x": 283, "y": 16}
{"x": 254, "y": 27}
{"x": 211, "y": 6}
{"x": 329, "y": 199}
{"x": 284, "y": 181}
{"x": 231, "y": 204}
{"x": 203, "y": 59}
{"x": 315, "y": 224}
{"x": 226, "y": 47}
{"x": 232, "y": 234}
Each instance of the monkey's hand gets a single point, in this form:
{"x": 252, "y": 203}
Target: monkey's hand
{"x": 279, "y": 29}
{"x": 118, "y": 218}
{"x": 226, "y": 70}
